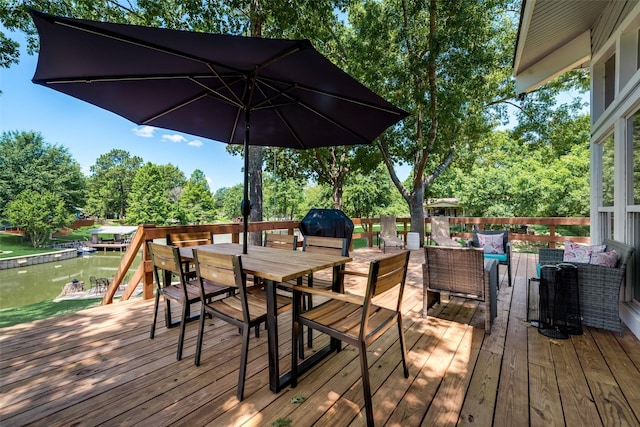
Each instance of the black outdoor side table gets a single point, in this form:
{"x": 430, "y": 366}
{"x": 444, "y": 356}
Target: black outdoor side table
{"x": 559, "y": 301}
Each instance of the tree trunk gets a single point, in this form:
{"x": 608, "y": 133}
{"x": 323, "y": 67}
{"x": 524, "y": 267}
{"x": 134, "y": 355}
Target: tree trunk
{"x": 416, "y": 206}
{"x": 255, "y": 191}
{"x": 255, "y": 152}
{"x": 337, "y": 193}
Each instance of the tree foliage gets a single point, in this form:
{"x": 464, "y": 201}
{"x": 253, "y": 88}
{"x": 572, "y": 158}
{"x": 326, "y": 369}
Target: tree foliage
{"x": 110, "y": 183}
{"x": 228, "y": 202}
{"x": 27, "y": 162}
{"x": 38, "y": 214}
{"x": 196, "y": 200}
{"x": 155, "y": 194}
{"x": 447, "y": 63}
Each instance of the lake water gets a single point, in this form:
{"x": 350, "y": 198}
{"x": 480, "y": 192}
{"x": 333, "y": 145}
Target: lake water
{"x": 42, "y": 282}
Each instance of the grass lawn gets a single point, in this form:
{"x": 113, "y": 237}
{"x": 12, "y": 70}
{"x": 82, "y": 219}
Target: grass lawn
{"x": 12, "y": 245}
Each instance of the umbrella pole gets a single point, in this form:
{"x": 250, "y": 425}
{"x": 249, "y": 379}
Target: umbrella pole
{"x": 246, "y": 204}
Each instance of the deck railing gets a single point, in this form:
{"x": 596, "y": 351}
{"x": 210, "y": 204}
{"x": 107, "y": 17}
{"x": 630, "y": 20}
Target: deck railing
{"x": 460, "y": 228}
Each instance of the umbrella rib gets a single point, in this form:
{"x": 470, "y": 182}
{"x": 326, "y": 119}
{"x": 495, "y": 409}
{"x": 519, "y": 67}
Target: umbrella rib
{"x": 313, "y": 110}
{"x": 217, "y": 94}
{"x": 392, "y": 109}
{"x": 174, "y": 108}
{"x": 224, "y": 83}
{"x": 279, "y": 114}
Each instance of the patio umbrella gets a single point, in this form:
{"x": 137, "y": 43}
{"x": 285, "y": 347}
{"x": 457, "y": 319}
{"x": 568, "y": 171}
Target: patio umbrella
{"x": 238, "y": 90}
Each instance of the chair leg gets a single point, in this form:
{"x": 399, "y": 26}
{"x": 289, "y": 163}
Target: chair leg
{"x": 403, "y": 347}
{"x": 167, "y": 314}
{"x": 509, "y": 271}
{"x": 243, "y": 361}
{"x": 155, "y": 316}
{"x": 200, "y": 337}
{"x": 183, "y": 327}
{"x": 309, "y": 307}
{"x": 366, "y": 386}
{"x": 295, "y": 337}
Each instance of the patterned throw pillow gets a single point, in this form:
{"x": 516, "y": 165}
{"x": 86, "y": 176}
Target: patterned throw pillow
{"x": 574, "y": 252}
{"x": 491, "y": 243}
{"x": 605, "y": 259}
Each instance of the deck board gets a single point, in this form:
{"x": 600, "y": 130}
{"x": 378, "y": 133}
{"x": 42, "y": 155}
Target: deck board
{"x": 98, "y": 366}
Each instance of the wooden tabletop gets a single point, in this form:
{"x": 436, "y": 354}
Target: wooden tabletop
{"x": 279, "y": 265}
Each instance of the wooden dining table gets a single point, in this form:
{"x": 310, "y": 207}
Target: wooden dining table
{"x": 276, "y": 266}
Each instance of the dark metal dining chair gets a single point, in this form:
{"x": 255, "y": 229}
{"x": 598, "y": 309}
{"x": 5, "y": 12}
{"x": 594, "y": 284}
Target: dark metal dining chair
{"x": 280, "y": 241}
{"x": 243, "y": 309}
{"x": 325, "y": 245}
{"x": 355, "y": 319}
{"x": 167, "y": 265}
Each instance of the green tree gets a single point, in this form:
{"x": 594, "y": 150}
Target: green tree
{"x": 27, "y": 162}
{"x": 228, "y": 201}
{"x": 197, "y": 200}
{"x": 110, "y": 183}
{"x": 509, "y": 177}
{"x": 283, "y": 197}
{"x": 443, "y": 62}
{"x": 38, "y": 214}
{"x": 155, "y": 195}
{"x": 368, "y": 196}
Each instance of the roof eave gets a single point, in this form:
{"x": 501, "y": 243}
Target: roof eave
{"x": 570, "y": 56}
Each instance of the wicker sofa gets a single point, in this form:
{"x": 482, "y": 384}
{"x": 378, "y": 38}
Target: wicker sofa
{"x": 599, "y": 286}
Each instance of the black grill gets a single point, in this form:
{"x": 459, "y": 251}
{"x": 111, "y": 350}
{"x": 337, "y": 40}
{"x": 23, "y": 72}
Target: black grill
{"x": 327, "y": 223}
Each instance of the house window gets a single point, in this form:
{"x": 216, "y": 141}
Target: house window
{"x": 609, "y": 81}
{"x": 607, "y": 171}
{"x": 633, "y": 137}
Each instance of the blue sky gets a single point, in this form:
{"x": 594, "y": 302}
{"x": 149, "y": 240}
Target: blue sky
{"x": 88, "y": 131}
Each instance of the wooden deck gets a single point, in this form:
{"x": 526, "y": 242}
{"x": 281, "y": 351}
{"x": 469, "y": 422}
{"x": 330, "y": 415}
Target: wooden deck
{"x": 99, "y": 367}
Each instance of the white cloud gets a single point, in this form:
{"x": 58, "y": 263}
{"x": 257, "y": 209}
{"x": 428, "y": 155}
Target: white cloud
{"x": 144, "y": 131}
{"x": 195, "y": 143}
{"x": 174, "y": 138}
{"x": 209, "y": 180}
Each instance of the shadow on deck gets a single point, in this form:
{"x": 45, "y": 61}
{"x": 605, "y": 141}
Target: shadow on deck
{"x": 99, "y": 366}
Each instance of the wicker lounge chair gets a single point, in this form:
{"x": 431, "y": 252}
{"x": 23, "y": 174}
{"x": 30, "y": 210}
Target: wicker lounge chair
{"x": 599, "y": 286}
{"x": 460, "y": 272}
{"x": 504, "y": 258}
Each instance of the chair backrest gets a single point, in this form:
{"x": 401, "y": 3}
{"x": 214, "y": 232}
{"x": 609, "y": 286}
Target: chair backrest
{"x": 222, "y": 269}
{"x": 440, "y": 227}
{"x": 388, "y": 227}
{"x": 624, "y": 253}
{"x": 190, "y": 239}
{"x": 326, "y": 245}
{"x": 280, "y": 241}
{"x": 385, "y": 274}
{"x": 451, "y": 269}
{"x": 166, "y": 259}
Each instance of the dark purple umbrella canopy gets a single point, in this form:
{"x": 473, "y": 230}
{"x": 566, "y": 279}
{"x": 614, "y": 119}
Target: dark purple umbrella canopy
{"x": 238, "y": 90}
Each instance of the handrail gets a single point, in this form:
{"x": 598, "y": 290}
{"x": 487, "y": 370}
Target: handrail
{"x": 148, "y": 232}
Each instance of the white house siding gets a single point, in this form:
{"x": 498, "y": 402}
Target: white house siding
{"x": 616, "y": 32}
